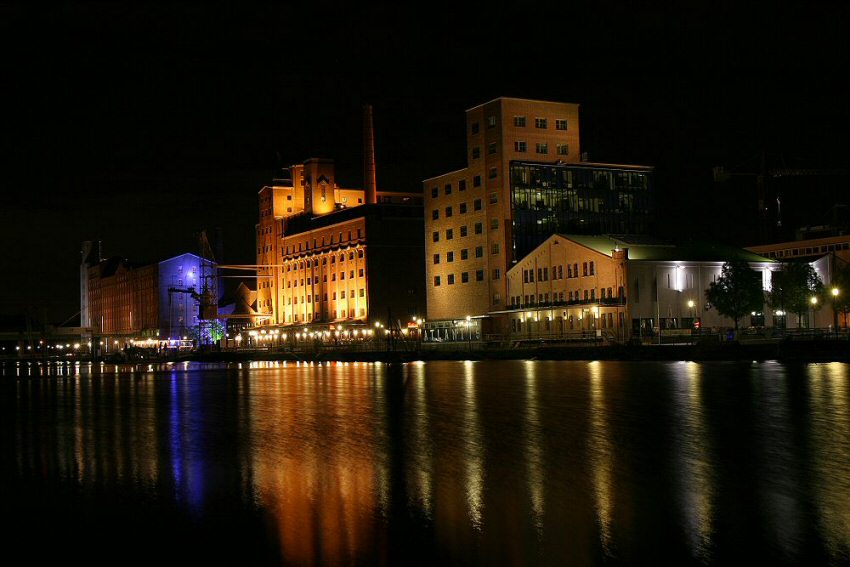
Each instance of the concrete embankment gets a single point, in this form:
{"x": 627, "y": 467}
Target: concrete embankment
{"x": 801, "y": 351}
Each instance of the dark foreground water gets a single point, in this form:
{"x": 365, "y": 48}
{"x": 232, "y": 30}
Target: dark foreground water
{"x": 427, "y": 463}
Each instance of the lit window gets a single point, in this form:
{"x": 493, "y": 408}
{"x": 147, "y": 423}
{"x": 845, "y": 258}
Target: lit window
{"x": 540, "y": 123}
{"x": 520, "y": 146}
{"x": 519, "y": 121}
{"x": 560, "y": 124}
{"x": 491, "y": 121}
{"x": 542, "y": 148}
{"x": 563, "y": 149}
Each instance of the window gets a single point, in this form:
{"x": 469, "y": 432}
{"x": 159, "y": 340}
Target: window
{"x": 435, "y": 236}
{"x": 479, "y": 251}
{"x": 497, "y": 273}
{"x": 436, "y": 258}
{"x": 476, "y": 152}
{"x": 493, "y": 173}
{"x": 494, "y": 224}
{"x": 563, "y": 149}
{"x": 462, "y": 208}
{"x": 448, "y": 212}
{"x": 448, "y": 188}
{"x": 342, "y": 294}
{"x": 531, "y": 275}
{"x": 542, "y": 148}
{"x": 491, "y": 121}
{"x": 546, "y": 274}
{"x": 450, "y": 256}
{"x": 435, "y": 191}
{"x": 464, "y": 254}
{"x": 461, "y": 185}
{"x": 491, "y": 148}
{"x": 591, "y": 269}
{"x": 520, "y": 146}
{"x": 540, "y": 274}
{"x": 464, "y": 277}
{"x": 497, "y": 299}
{"x": 495, "y": 248}
{"x": 475, "y": 127}
{"x": 476, "y": 205}
{"x": 449, "y": 234}
{"x": 494, "y": 198}
{"x": 540, "y": 123}
{"x": 479, "y": 275}
{"x": 451, "y": 279}
{"x": 519, "y": 121}
{"x": 560, "y": 124}
{"x": 435, "y": 214}
{"x": 436, "y": 281}
{"x": 463, "y": 231}
{"x": 362, "y": 293}
{"x": 479, "y": 228}
{"x": 584, "y": 268}
{"x": 476, "y": 181}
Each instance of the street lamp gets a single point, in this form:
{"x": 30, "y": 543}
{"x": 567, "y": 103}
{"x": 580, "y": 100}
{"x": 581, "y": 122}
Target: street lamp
{"x": 834, "y": 312}
{"x": 814, "y": 302}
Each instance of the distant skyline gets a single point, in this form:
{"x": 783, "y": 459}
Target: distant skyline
{"x": 141, "y": 125}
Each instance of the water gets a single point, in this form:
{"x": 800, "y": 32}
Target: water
{"x": 434, "y": 463}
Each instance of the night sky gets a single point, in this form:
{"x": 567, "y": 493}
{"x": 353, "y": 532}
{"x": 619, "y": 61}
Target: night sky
{"x": 140, "y": 126}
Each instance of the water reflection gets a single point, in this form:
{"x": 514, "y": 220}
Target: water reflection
{"x": 601, "y": 456}
{"x": 446, "y": 462}
{"x": 695, "y": 460}
{"x": 829, "y": 428}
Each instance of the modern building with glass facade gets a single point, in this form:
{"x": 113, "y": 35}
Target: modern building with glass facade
{"x": 524, "y": 181}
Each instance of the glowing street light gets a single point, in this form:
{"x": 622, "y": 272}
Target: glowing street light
{"x": 834, "y": 311}
{"x": 814, "y": 301}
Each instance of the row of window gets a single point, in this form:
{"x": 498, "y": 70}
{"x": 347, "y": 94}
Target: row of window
{"x": 333, "y": 296}
{"x": 520, "y": 122}
{"x": 309, "y": 317}
{"x": 588, "y": 269}
{"x": 560, "y": 296}
{"x": 310, "y": 281}
{"x": 306, "y": 245}
{"x": 461, "y": 186}
{"x": 463, "y": 208}
{"x": 464, "y": 277}
{"x": 808, "y": 250}
{"x": 315, "y": 261}
{"x": 450, "y": 233}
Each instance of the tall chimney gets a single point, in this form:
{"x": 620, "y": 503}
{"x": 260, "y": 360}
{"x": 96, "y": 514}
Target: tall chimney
{"x": 369, "y": 182}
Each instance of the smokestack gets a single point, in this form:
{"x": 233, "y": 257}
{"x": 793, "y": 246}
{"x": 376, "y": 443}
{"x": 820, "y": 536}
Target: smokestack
{"x": 369, "y": 182}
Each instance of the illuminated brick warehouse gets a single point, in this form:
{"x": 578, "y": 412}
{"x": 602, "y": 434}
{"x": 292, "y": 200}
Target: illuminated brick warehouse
{"x": 126, "y": 302}
{"x": 525, "y": 180}
{"x": 329, "y": 255}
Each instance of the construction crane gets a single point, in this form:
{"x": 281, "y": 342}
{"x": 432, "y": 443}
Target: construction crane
{"x": 722, "y": 175}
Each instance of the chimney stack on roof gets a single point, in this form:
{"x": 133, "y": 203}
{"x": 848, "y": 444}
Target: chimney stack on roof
{"x": 369, "y": 182}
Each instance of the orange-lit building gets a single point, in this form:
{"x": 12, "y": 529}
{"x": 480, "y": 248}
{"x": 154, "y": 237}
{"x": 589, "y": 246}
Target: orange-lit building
{"x": 525, "y": 180}
{"x": 328, "y": 254}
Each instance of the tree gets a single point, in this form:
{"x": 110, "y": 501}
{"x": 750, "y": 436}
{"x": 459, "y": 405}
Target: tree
{"x": 737, "y": 291}
{"x": 792, "y": 287}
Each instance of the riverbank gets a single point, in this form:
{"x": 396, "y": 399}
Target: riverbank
{"x": 798, "y": 351}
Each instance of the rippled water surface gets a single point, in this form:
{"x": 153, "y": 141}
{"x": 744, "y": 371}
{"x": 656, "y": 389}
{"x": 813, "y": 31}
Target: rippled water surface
{"x": 488, "y": 462}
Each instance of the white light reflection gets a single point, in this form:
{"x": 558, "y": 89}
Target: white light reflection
{"x": 829, "y": 430}
{"x": 474, "y": 477}
{"x": 601, "y": 456}
{"x": 694, "y": 453}
{"x": 420, "y": 469}
{"x": 534, "y": 448}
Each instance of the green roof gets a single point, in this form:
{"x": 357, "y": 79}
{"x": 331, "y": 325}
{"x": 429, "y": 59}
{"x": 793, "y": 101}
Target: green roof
{"x": 651, "y": 248}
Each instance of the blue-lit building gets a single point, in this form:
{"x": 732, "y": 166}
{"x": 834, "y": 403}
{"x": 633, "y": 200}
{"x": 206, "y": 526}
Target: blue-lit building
{"x": 123, "y": 301}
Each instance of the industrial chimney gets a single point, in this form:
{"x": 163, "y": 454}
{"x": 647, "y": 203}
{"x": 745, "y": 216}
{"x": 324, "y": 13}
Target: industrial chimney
{"x": 369, "y": 182}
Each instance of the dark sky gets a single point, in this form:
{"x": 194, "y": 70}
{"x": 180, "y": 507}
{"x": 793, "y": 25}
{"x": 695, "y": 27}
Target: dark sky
{"x": 140, "y": 126}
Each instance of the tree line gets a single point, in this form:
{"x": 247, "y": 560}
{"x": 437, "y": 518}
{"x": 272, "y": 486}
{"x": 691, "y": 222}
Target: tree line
{"x": 739, "y": 291}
